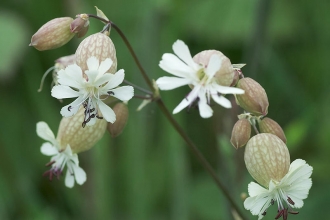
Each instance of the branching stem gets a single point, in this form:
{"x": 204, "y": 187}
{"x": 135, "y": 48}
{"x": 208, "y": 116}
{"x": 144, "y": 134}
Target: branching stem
{"x": 174, "y": 123}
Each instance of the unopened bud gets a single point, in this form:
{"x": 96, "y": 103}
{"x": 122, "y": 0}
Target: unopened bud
{"x": 98, "y": 45}
{"x": 266, "y": 158}
{"x": 80, "y": 25}
{"x": 254, "y": 100}
{"x": 65, "y": 61}
{"x": 267, "y": 125}
{"x": 80, "y": 139}
{"x": 241, "y": 133}
{"x": 225, "y": 75}
{"x": 55, "y": 33}
{"x": 118, "y": 126}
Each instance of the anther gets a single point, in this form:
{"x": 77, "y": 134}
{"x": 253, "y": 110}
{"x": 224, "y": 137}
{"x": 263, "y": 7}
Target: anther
{"x": 69, "y": 108}
{"x": 50, "y": 163}
{"x": 293, "y": 212}
{"x": 99, "y": 117}
{"x": 279, "y": 214}
{"x": 290, "y": 201}
{"x": 272, "y": 202}
{"x": 111, "y": 93}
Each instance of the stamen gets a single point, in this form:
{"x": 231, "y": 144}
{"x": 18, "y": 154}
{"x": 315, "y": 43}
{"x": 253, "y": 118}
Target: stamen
{"x": 50, "y": 163}
{"x": 44, "y": 77}
{"x": 290, "y": 201}
{"x": 272, "y": 202}
{"x": 264, "y": 213}
{"x": 99, "y": 117}
{"x": 279, "y": 214}
{"x": 69, "y": 108}
{"x": 285, "y": 214}
{"x": 294, "y": 212}
{"x": 111, "y": 93}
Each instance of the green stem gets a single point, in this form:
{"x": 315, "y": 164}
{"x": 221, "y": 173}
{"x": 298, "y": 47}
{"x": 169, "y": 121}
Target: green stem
{"x": 174, "y": 123}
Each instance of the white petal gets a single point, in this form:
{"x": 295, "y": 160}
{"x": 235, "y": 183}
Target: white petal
{"x": 115, "y": 79}
{"x": 227, "y": 89}
{"x": 72, "y": 76}
{"x": 44, "y": 132}
{"x": 259, "y": 199}
{"x": 255, "y": 189}
{"x": 172, "y": 64}
{"x": 107, "y": 113}
{"x": 69, "y": 179}
{"x": 213, "y": 66}
{"x": 103, "y": 79}
{"x": 168, "y": 83}
{"x": 105, "y": 65}
{"x": 123, "y": 93}
{"x": 79, "y": 174}
{"x": 74, "y": 107}
{"x": 221, "y": 101}
{"x": 204, "y": 109}
{"x": 182, "y": 51}
{"x": 48, "y": 149}
{"x": 93, "y": 64}
{"x": 188, "y": 100}
{"x": 63, "y": 92}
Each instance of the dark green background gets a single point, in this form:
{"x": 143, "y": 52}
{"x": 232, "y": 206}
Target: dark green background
{"x": 148, "y": 172}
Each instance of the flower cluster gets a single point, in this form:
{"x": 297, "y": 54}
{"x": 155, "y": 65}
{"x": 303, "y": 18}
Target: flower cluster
{"x": 90, "y": 76}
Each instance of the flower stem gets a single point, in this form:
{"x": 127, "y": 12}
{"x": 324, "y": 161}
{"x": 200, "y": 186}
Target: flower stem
{"x": 138, "y": 87}
{"x": 174, "y": 123}
{"x": 178, "y": 128}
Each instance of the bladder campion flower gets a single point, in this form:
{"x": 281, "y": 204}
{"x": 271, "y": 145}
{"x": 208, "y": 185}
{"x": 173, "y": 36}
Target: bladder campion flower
{"x": 60, "y": 158}
{"x": 199, "y": 77}
{"x": 91, "y": 88}
{"x": 267, "y": 160}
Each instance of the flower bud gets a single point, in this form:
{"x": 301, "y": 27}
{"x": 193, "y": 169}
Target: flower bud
{"x": 118, "y": 126}
{"x": 241, "y": 133}
{"x": 254, "y": 100}
{"x": 267, "y": 125}
{"x": 80, "y": 139}
{"x": 65, "y": 61}
{"x": 55, "y": 33}
{"x": 98, "y": 45}
{"x": 80, "y": 25}
{"x": 225, "y": 74}
{"x": 266, "y": 158}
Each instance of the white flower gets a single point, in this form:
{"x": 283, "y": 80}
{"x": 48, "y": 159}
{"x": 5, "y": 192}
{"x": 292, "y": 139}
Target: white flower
{"x": 91, "y": 88}
{"x": 187, "y": 72}
{"x": 60, "y": 158}
{"x": 288, "y": 193}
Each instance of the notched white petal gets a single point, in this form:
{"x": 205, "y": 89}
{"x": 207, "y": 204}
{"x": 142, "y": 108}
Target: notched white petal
{"x": 116, "y": 79}
{"x": 107, "y": 113}
{"x": 168, "y": 83}
{"x": 79, "y": 174}
{"x": 105, "y": 65}
{"x": 214, "y": 66}
{"x": 63, "y": 92}
{"x": 44, "y": 132}
{"x": 222, "y": 101}
{"x": 123, "y": 93}
{"x": 183, "y": 52}
{"x": 48, "y": 149}
{"x": 93, "y": 64}
{"x": 69, "y": 179}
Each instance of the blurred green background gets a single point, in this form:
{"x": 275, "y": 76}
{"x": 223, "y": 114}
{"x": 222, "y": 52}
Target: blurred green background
{"x": 148, "y": 172}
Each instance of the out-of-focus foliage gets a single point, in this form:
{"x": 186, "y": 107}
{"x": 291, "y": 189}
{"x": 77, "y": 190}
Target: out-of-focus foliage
{"x": 148, "y": 172}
